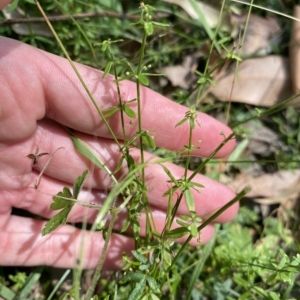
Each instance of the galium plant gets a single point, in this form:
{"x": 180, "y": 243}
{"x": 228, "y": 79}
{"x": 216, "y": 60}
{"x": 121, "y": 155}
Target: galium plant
{"x": 150, "y": 271}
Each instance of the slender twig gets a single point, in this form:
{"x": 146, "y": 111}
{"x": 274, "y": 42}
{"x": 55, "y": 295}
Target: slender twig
{"x": 37, "y": 182}
{"x": 77, "y": 17}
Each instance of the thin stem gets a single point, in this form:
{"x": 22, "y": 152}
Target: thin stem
{"x": 188, "y": 159}
{"x": 278, "y": 107}
{"x": 78, "y": 75}
{"x": 38, "y": 180}
{"x": 237, "y": 198}
{"x": 97, "y": 14}
{"x": 98, "y": 271}
{"x": 140, "y": 129}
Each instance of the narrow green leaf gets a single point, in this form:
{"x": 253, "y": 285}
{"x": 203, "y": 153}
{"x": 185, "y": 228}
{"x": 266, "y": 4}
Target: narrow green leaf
{"x": 136, "y": 276}
{"x": 181, "y": 122}
{"x": 143, "y": 267}
{"x": 160, "y": 24}
{"x": 170, "y": 191}
{"x": 192, "y": 123}
{"x": 119, "y": 165}
{"x": 59, "y": 200}
{"x": 193, "y": 184}
{"x": 129, "y": 112}
{"x": 138, "y": 290}
{"x": 58, "y": 219}
{"x": 177, "y": 233}
{"x": 153, "y": 284}
{"x": 181, "y": 223}
{"x": 149, "y": 141}
{"x": 63, "y": 296}
{"x": 143, "y": 80}
{"x": 85, "y": 150}
{"x": 167, "y": 257}
{"x": 185, "y": 218}
{"x": 125, "y": 226}
{"x": 110, "y": 111}
{"x": 78, "y": 184}
{"x": 107, "y": 69}
{"x": 140, "y": 257}
{"x": 30, "y": 283}
{"x": 6, "y": 293}
{"x": 153, "y": 297}
{"x": 170, "y": 175}
{"x": 148, "y": 26}
{"x": 12, "y": 6}
{"x": 193, "y": 230}
{"x": 189, "y": 200}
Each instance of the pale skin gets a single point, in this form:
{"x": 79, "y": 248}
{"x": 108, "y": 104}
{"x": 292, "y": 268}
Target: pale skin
{"x": 39, "y": 93}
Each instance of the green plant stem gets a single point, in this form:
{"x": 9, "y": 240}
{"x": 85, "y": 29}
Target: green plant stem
{"x": 78, "y": 75}
{"x": 140, "y": 129}
{"x": 196, "y": 171}
{"x": 213, "y": 44}
{"x": 202, "y": 165}
{"x": 120, "y": 103}
{"x": 138, "y": 92}
{"x": 276, "y": 108}
{"x": 188, "y": 159}
{"x": 98, "y": 271}
{"x": 210, "y": 219}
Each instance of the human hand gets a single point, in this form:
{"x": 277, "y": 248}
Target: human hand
{"x": 39, "y": 93}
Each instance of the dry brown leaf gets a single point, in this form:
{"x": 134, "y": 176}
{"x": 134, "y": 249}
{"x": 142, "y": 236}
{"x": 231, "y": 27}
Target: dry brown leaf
{"x": 262, "y": 81}
{"x": 269, "y": 188}
{"x": 259, "y": 34}
{"x": 262, "y": 139}
{"x": 181, "y": 75}
{"x": 295, "y": 54}
{"x": 25, "y": 29}
{"x": 210, "y": 13}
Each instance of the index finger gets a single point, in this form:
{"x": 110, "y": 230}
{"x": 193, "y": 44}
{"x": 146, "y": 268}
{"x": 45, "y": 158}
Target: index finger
{"x": 40, "y": 85}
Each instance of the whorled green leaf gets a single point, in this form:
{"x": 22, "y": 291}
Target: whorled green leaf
{"x": 153, "y": 284}
{"x": 59, "y": 200}
{"x": 137, "y": 292}
{"x": 168, "y": 172}
{"x": 125, "y": 226}
{"x": 139, "y": 256}
{"x": 193, "y": 229}
{"x": 148, "y": 26}
{"x": 167, "y": 257}
{"x": 133, "y": 276}
{"x": 85, "y": 150}
{"x": 63, "y": 296}
{"x": 192, "y": 123}
{"x": 78, "y": 184}
{"x": 181, "y": 122}
{"x": 181, "y": 223}
{"x": 149, "y": 141}
{"x": 195, "y": 184}
{"x": 143, "y": 80}
{"x": 143, "y": 267}
{"x": 13, "y": 6}
{"x": 110, "y": 111}
{"x": 189, "y": 200}
{"x": 107, "y": 68}
{"x": 177, "y": 233}
{"x": 119, "y": 165}
{"x": 129, "y": 112}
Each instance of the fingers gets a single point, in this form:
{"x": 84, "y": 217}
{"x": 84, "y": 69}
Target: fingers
{"x": 25, "y": 246}
{"x": 48, "y": 86}
{"x": 66, "y": 247}
{"x": 3, "y": 3}
{"x": 67, "y": 164}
